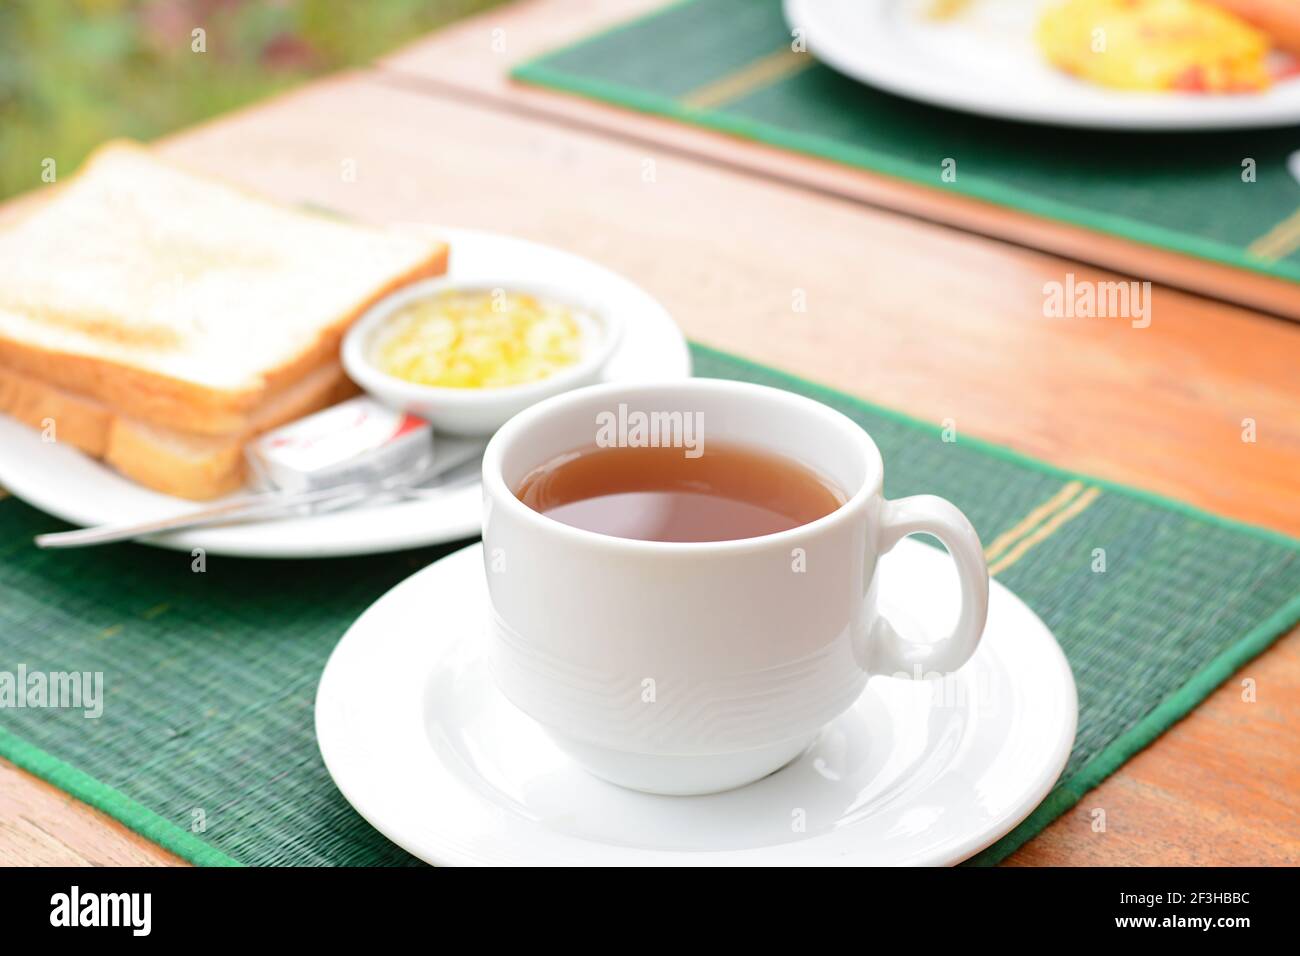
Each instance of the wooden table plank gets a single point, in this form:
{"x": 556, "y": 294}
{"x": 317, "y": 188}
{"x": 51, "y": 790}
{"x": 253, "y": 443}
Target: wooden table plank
{"x": 41, "y": 825}
{"x": 473, "y": 57}
{"x": 902, "y": 312}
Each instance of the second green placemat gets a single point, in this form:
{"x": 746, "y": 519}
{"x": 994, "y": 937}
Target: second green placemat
{"x": 728, "y": 65}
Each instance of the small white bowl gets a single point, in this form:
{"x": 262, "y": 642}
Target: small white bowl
{"x": 475, "y": 411}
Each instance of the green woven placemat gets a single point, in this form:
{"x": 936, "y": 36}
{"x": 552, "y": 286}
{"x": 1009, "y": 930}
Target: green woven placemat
{"x": 206, "y": 743}
{"x": 727, "y": 65}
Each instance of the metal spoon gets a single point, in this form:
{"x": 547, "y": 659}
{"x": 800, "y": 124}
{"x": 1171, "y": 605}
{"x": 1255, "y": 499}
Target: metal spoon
{"x": 454, "y": 466}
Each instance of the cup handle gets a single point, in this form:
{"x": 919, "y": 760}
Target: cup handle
{"x": 892, "y": 654}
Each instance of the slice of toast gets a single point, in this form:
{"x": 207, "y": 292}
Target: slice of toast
{"x": 184, "y": 464}
{"x": 179, "y": 300}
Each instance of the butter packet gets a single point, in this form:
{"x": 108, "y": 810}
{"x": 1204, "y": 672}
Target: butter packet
{"x": 359, "y": 440}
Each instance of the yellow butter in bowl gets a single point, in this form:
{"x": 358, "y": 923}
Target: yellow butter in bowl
{"x": 467, "y": 356}
{"x": 488, "y": 338}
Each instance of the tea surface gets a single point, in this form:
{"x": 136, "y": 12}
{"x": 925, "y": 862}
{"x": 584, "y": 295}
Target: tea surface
{"x": 730, "y": 491}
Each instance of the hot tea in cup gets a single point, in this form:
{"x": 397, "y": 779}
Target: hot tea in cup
{"x": 685, "y": 600}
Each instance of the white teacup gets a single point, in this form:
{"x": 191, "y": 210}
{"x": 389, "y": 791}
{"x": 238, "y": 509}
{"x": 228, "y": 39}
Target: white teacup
{"x": 694, "y": 667}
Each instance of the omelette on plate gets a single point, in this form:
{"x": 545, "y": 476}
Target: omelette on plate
{"x": 1156, "y": 45}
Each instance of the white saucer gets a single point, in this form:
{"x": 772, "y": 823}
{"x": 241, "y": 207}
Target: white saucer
{"x": 64, "y": 482}
{"x": 419, "y": 740}
{"x": 984, "y": 60}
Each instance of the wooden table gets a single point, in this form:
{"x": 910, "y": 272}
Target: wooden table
{"x": 923, "y": 310}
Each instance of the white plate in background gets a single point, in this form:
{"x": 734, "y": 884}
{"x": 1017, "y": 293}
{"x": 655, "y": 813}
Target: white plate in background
{"x": 985, "y": 61}
{"x": 68, "y": 484}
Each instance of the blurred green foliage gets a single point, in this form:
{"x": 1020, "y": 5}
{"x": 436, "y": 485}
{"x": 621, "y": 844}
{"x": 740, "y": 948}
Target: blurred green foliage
{"x": 74, "y": 73}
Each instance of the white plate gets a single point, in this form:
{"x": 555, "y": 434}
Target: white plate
{"x": 419, "y": 740}
{"x": 985, "y": 61}
{"x": 70, "y": 485}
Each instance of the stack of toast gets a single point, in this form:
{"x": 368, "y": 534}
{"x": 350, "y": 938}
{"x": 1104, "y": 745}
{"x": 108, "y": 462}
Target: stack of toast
{"x": 158, "y": 319}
